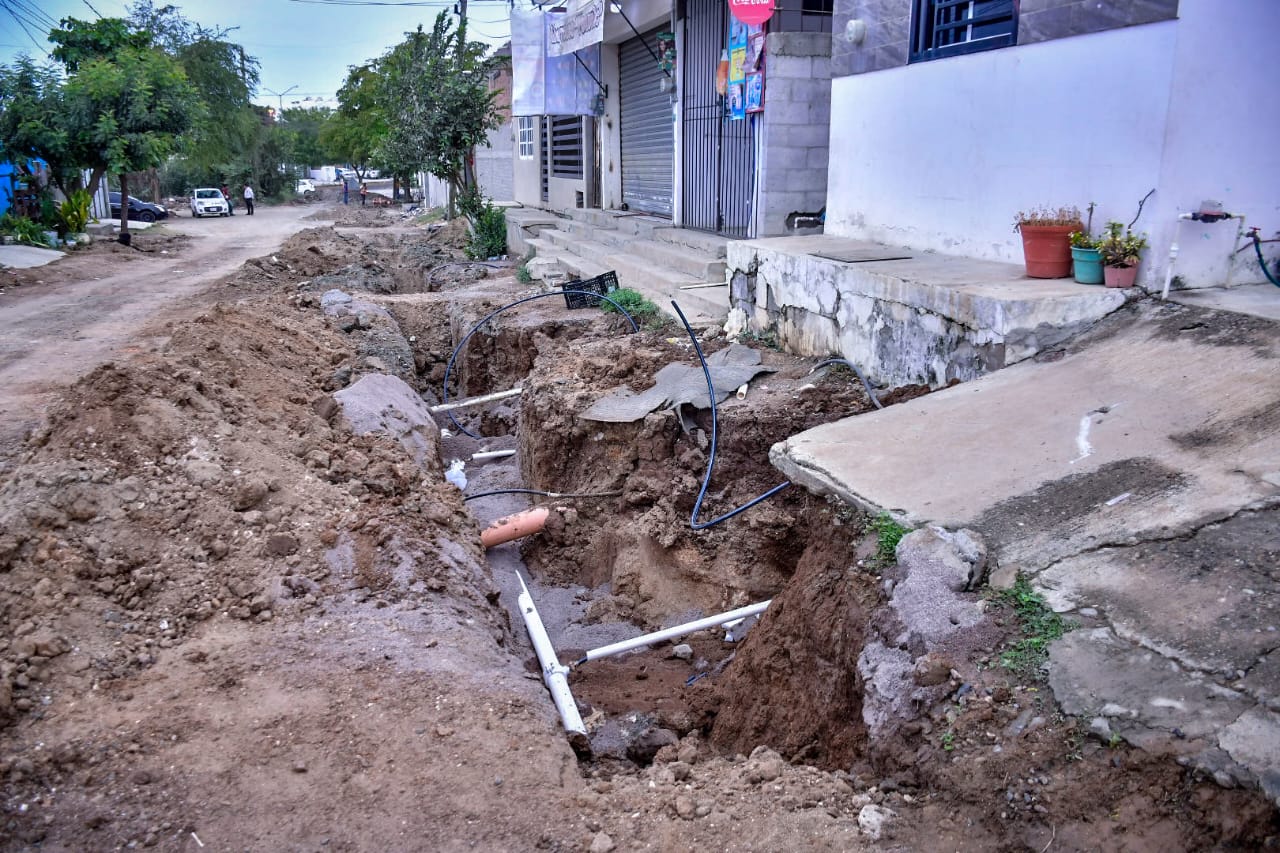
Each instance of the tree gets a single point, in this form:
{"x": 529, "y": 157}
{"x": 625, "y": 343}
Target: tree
{"x": 436, "y": 95}
{"x": 357, "y": 129}
{"x": 223, "y": 75}
{"x": 307, "y": 123}
{"x": 126, "y": 101}
{"x": 32, "y": 121}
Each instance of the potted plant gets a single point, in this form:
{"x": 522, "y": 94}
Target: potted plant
{"x": 1086, "y": 260}
{"x": 1121, "y": 249}
{"x": 1045, "y": 242}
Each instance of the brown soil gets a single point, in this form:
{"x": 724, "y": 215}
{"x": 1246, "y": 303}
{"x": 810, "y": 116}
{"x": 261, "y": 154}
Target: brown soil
{"x": 230, "y": 622}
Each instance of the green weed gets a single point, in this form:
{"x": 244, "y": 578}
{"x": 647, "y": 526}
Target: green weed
{"x": 523, "y": 275}
{"x": 948, "y": 740}
{"x": 1038, "y": 625}
{"x": 888, "y": 534}
{"x": 642, "y": 310}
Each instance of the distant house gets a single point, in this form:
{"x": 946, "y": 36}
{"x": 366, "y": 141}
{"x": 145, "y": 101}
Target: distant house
{"x": 493, "y": 161}
{"x": 948, "y": 118}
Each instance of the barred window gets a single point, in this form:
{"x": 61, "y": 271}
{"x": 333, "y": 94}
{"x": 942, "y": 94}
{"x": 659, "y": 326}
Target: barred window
{"x": 525, "y": 131}
{"x": 951, "y": 27}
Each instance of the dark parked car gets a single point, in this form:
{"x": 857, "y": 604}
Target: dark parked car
{"x": 144, "y": 211}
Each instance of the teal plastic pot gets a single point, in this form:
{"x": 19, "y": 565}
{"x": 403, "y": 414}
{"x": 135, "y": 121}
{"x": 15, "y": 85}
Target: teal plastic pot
{"x": 1087, "y": 264}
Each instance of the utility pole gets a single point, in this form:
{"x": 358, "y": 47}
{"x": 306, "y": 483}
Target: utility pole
{"x": 462, "y": 26}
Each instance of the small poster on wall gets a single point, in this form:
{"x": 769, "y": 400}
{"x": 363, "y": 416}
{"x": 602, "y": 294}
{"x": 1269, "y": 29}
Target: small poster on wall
{"x": 737, "y": 101}
{"x": 739, "y": 36}
{"x": 755, "y": 93}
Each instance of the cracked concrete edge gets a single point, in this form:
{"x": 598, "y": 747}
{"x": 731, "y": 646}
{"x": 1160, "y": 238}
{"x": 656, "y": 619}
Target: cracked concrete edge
{"x": 818, "y": 482}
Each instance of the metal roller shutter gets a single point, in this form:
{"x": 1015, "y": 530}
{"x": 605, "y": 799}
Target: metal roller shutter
{"x": 648, "y": 133}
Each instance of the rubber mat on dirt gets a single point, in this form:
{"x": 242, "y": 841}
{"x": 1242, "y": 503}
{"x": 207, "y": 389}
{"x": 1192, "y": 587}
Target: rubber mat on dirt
{"x": 679, "y": 384}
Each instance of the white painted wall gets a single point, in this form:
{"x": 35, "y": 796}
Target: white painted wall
{"x": 941, "y": 155}
{"x": 1222, "y": 140}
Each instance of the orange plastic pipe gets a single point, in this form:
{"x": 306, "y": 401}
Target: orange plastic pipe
{"x": 515, "y": 526}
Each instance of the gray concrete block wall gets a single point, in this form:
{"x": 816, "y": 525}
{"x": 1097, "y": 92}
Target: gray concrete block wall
{"x": 795, "y": 130}
{"x": 494, "y": 170}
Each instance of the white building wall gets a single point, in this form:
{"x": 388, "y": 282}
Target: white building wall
{"x": 1222, "y": 141}
{"x": 940, "y": 155}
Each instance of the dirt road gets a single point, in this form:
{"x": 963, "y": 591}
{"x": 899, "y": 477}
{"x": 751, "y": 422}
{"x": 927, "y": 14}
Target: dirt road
{"x": 93, "y": 308}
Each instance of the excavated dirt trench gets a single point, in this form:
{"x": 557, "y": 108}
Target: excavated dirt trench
{"x": 228, "y": 615}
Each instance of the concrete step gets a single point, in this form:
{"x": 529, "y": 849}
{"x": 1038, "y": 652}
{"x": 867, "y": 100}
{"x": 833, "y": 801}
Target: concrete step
{"x": 701, "y": 241}
{"x": 681, "y": 258}
{"x": 645, "y": 266}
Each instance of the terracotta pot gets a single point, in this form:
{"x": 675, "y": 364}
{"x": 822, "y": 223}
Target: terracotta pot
{"x": 1047, "y": 249}
{"x": 1120, "y": 276}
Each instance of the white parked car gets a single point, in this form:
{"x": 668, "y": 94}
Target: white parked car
{"x": 306, "y": 187}
{"x": 209, "y": 201}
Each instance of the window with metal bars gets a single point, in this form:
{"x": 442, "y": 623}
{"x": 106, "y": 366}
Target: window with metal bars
{"x": 565, "y": 142}
{"x": 524, "y": 136}
{"x": 941, "y": 28}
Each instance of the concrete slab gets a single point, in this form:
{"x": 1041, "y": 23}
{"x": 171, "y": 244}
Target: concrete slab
{"x": 1257, "y": 300}
{"x": 927, "y": 318}
{"x": 1165, "y": 418}
{"x": 26, "y": 257}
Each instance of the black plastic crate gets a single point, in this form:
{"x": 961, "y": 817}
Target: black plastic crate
{"x": 603, "y": 284}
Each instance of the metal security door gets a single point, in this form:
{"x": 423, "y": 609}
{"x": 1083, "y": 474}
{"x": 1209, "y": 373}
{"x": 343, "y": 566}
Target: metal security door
{"x": 648, "y": 132}
{"x": 718, "y": 172}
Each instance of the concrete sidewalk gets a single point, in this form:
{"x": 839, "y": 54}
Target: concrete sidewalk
{"x": 1136, "y": 475}
{"x": 25, "y": 257}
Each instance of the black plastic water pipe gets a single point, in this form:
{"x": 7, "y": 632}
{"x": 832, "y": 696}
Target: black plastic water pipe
{"x": 849, "y": 364}
{"x": 706, "y": 479}
{"x": 449, "y": 367}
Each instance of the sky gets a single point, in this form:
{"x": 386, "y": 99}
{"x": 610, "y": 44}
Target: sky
{"x": 304, "y": 48}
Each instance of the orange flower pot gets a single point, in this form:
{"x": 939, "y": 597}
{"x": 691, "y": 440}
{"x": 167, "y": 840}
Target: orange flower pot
{"x": 1120, "y": 276}
{"x": 1047, "y": 249}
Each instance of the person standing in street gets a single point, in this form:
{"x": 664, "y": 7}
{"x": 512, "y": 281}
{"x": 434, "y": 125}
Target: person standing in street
{"x": 346, "y": 189}
{"x": 248, "y": 199}
{"x": 231, "y": 207}
{"x": 364, "y": 193}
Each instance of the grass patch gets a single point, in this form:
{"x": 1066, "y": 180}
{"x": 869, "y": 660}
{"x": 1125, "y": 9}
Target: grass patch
{"x": 1038, "y": 625}
{"x": 888, "y": 534}
{"x": 642, "y": 310}
{"x": 523, "y": 275}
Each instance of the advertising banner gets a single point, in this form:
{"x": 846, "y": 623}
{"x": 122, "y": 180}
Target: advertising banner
{"x": 581, "y": 26}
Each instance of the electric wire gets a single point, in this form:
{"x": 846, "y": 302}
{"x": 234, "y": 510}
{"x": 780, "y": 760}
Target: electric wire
{"x": 454, "y": 356}
{"x": 715, "y": 431}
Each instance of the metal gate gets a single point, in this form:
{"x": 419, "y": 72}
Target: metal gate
{"x": 719, "y": 163}
{"x": 648, "y": 133}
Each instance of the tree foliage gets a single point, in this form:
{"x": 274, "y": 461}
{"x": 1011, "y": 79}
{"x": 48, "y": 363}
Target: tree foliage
{"x": 32, "y": 121}
{"x": 436, "y": 96}
{"x": 355, "y": 132}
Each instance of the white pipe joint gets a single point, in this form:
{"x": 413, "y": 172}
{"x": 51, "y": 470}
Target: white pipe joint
{"x": 553, "y": 674}
{"x": 675, "y": 631}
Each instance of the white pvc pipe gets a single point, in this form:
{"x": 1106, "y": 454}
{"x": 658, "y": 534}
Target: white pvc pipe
{"x": 1173, "y": 255}
{"x": 475, "y": 401}
{"x": 491, "y": 454}
{"x": 1235, "y": 247}
{"x": 673, "y": 632}
{"x": 553, "y": 673}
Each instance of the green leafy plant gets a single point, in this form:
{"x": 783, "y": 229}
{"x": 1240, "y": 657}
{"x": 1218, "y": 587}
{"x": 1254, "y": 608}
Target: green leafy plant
{"x": 948, "y": 740}
{"x": 1121, "y": 247}
{"x": 1081, "y": 240}
{"x": 1038, "y": 625}
{"x": 73, "y": 213}
{"x": 489, "y": 237}
{"x": 523, "y": 275}
{"x": 643, "y": 311}
{"x": 23, "y": 230}
{"x": 1047, "y": 216}
{"x": 888, "y": 534}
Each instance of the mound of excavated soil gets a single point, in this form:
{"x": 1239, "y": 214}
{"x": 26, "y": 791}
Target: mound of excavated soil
{"x": 228, "y": 620}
